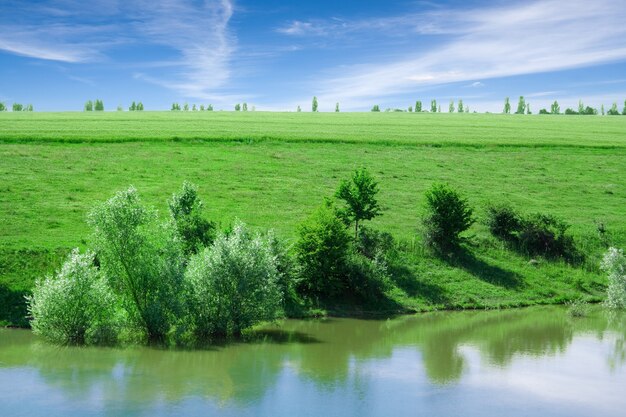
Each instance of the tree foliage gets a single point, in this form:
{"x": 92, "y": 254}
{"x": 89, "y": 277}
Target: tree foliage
{"x": 418, "y": 106}
{"x": 521, "y": 105}
{"x": 614, "y": 264}
{"x": 141, "y": 258}
{"x": 507, "y": 106}
{"x": 461, "y": 109}
{"x": 314, "y": 104}
{"x": 555, "y": 108}
{"x": 89, "y": 105}
{"x": 186, "y": 212}
{"x": 98, "y": 105}
{"x": 433, "y": 106}
{"x": 376, "y": 108}
{"x": 359, "y": 197}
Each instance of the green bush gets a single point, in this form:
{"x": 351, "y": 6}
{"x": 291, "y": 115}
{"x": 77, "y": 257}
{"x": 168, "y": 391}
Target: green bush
{"x": 371, "y": 243}
{"x": 503, "y": 221}
{"x": 142, "y": 259}
{"x": 614, "y": 264}
{"x": 233, "y": 284}
{"x": 76, "y": 305}
{"x": 186, "y": 212}
{"x": 321, "y": 253}
{"x": 447, "y": 216}
{"x": 543, "y": 234}
{"x": 368, "y": 278}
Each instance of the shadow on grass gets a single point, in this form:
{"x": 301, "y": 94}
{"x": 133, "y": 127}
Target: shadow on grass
{"x": 12, "y": 307}
{"x": 410, "y": 283}
{"x": 466, "y": 260}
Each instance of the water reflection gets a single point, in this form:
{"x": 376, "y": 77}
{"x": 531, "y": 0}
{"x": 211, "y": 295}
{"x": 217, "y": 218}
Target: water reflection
{"x": 353, "y": 357}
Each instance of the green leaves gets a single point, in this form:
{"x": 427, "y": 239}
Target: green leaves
{"x": 359, "y": 195}
{"x": 448, "y": 215}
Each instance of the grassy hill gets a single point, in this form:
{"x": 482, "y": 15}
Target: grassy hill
{"x": 272, "y": 169}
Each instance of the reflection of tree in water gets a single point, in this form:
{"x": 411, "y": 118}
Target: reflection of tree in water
{"x": 331, "y": 354}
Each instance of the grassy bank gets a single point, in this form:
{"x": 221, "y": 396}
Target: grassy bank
{"x": 572, "y": 167}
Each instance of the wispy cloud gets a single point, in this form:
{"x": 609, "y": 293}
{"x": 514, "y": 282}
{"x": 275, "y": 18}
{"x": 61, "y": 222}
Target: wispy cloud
{"x": 535, "y": 37}
{"x": 476, "y": 84}
{"x": 195, "y": 32}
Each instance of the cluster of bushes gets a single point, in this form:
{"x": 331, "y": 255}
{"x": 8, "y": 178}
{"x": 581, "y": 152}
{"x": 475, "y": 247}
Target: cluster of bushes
{"x": 185, "y": 107}
{"x": 97, "y": 105}
{"x": 534, "y": 234}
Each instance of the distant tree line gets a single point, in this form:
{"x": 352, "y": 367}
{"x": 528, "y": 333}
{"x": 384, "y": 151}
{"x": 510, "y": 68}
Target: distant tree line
{"x": 177, "y": 107}
{"x": 16, "y": 107}
{"x": 96, "y": 105}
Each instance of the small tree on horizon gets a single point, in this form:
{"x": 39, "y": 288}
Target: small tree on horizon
{"x": 3, "y": 106}
{"x": 237, "y": 107}
{"x": 376, "y": 108}
{"x": 98, "y": 105}
{"x": 410, "y": 109}
{"x": 602, "y": 109}
{"x": 461, "y": 110}
{"x": 186, "y": 107}
{"x": 624, "y": 111}
{"x": 202, "y": 107}
{"x": 418, "y": 106}
{"x": 194, "y": 108}
{"x": 613, "y": 110}
{"x": 89, "y": 105}
{"x": 314, "y": 104}
{"x": 555, "y": 108}
{"x": 451, "y": 107}
{"x": 359, "y": 195}
{"x": 581, "y": 107}
{"x": 433, "y": 106}
{"x": 528, "y": 109}
{"x": 521, "y": 106}
{"x": 507, "y": 106}
{"x": 209, "y": 107}
{"x": 245, "y": 107}
{"x": 336, "y": 107}
{"x": 132, "y": 107}
{"x": 299, "y": 109}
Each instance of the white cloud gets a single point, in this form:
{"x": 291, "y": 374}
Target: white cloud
{"x": 196, "y": 33}
{"x": 476, "y": 84}
{"x": 535, "y": 37}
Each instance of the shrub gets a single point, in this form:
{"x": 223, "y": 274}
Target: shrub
{"x": 233, "y": 284}
{"x": 614, "y": 264}
{"x": 371, "y": 243}
{"x": 321, "y": 253}
{"x": 186, "y": 212}
{"x": 75, "y": 306}
{"x": 142, "y": 260}
{"x": 503, "y": 221}
{"x": 544, "y": 234}
{"x": 368, "y": 278}
{"x": 447, "y": 216}
{"x": 376, "y": 108}
{"x": 18, "y": 107}
{"x": 543, "y": 111}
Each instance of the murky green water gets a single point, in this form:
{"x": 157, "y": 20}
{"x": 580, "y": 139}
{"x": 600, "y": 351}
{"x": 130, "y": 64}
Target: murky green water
{"x": 531, "y": 362}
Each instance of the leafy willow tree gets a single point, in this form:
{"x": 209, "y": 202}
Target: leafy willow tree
{"x": 234, "y": 284}
{"x": 507, "y": 106}
{"x": 237, "y": 107}
{"x": 418, "y": 106}
{"x": 244, "y": 107}
{"x": 451, "y": 107}
{"x": 613, "y": 110}
{"x": 314, "y": 104}
{"x": 3, "y": 106}
{"x": 17, "y": 107}
{"x": 461, "y": 110}
{"x": 142, "y": 259}
{"x": 186, "y": 209}
{"x": 89, "y": 105}
{"x": 75, "y": 305}
{"x": 521, "y": 105}
{"x": 336, "y": 107}
{"x": 555, "y": 108}
{"x": 98, "y": 105}
{"x": 359, "y": 198}
{"x": 376, "y": 108}
{"x": 433, "y": 106}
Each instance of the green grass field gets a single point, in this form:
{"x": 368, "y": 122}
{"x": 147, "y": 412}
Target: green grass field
{"x": 272, "y": 169}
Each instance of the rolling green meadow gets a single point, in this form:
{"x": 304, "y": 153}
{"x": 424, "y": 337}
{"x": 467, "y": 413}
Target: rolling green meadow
{"x": 271, "y": 170}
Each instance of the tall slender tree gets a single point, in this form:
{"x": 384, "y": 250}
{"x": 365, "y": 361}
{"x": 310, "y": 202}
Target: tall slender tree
{"x": 555, "y": 108}
{"x": 89, "y": 105}
{"x": 336, "y": 107}
{"x": 461, "y": 110}
{"x": 314, "y": 104}
{"x": 433, "y": 106}
{"x": 451, "y": 107}
{"x": 521, "y": 106}
{"x": 507, "y": 106}
{"x": 418, "y": 106}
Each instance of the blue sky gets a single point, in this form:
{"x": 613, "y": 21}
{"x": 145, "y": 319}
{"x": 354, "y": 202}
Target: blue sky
{"x": 276, "y": 55}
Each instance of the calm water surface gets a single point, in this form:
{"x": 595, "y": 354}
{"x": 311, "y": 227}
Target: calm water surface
{"x": 530, "y": 362}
